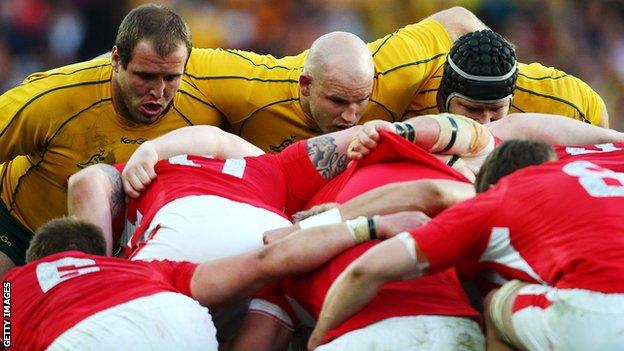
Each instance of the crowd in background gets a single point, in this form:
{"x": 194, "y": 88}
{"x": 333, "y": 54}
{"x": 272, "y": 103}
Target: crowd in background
{"x": 584, "y": 38}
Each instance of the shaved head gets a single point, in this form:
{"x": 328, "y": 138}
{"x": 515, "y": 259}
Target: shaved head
{"x": 339, "y": 53}
{"x": 337, "y": 80}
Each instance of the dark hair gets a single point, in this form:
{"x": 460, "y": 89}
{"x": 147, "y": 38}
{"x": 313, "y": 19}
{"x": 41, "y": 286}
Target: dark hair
{"x": 481, "y": 54}
{"x": 66, "y": 233}
{"x": 510, "y": 156}
{"x": 162, "y": 27}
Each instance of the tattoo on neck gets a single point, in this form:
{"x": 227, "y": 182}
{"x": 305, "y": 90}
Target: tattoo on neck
{"x": 325, "y": 157}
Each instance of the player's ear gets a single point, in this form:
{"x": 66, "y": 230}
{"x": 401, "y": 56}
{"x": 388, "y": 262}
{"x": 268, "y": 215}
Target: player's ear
{"x": 115, "y": 58}
{"x": 305, "y": 80}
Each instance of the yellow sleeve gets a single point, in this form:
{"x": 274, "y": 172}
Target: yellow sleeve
{"x": 405, "y": 62}
{"x": 549, "y": 90}
{"x": 30, "y": 111}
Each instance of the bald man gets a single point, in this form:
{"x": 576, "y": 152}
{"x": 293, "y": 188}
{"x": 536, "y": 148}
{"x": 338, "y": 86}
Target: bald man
{"x": 336, "y": 81}
{"x": 274, "y": 102}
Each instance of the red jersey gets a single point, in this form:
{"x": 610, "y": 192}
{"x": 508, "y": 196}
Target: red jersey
{"x": 280, "y": 183}
{"x": 558, "y": 224}
{"x": 609, "y": 155}
{"x": 51, "y": 295}
{"x": 301, "y": 297}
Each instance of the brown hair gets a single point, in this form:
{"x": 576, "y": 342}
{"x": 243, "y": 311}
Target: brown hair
{"x": 510, "y": 156}
{"x": 162, "y": 27}
{"x": 63, "y": 234}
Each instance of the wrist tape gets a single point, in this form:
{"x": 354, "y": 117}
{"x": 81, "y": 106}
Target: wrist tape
{"x": 363, "y": 228}
{"x": 331, "y": 216}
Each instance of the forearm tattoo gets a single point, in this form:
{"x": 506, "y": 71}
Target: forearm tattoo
{"x": 118, "y": 197}
{"x": 325, "y": 156}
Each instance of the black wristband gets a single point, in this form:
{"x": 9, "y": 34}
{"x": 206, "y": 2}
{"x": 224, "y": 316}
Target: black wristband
{"x": 400, "y": 129}
{"x": 411, "y": 132}
{"x": 454, "y": 129}
{"x": 372, "y": 229}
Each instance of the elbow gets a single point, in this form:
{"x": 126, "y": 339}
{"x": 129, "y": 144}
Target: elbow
{"x": 83, "y": 180}
{"x": 90, "y": 182}
{"x": 465, "y": 19}
{"x": 271, "y": 261}
{"x": 431, "y": 197}
{"x": 360, "y": 273}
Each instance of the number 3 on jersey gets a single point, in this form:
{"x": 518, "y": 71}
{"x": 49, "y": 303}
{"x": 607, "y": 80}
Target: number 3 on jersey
{"x": 597, "y": 181}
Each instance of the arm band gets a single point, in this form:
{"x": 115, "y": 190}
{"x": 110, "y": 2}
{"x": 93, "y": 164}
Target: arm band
{"x": 331, "y": 216}
{"x": 405, "y": 130}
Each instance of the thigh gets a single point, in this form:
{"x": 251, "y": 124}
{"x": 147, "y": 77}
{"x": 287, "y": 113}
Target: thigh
{"x": 417, "y": 333}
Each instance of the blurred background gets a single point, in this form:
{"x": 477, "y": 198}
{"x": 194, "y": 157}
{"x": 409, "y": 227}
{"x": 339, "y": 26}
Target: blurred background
{"x": 583, "y": 38}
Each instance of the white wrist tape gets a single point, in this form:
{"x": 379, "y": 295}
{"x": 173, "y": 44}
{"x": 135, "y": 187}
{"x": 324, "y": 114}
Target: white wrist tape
{"x": 460, "y": 135}
{"x": 332, "y": 216}
{"x": 359, "y": 228}
{"x": 410, "y": 244}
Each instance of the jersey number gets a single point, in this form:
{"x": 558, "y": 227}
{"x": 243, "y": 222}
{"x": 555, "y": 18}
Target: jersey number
{"x": 582, "y": 151}
{"x": 593, "y": 179}
{"x": 50, "y": 274}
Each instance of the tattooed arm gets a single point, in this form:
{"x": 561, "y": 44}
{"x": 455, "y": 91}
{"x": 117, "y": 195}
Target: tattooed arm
{"x": 328, "y": 152}
{"x": 96, "y": 194}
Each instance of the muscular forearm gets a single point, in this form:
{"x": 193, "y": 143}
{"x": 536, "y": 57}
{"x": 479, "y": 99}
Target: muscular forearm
{"x": 95, "y": 194}
{"x": 328, "y": 152}
{"x": 450, "y": 134}
{"x": 554, "y": 129}
{"x": 348, "y": 294}
{"x": 203, "y": 140}
{"x": 304, "y": 250}
{"x": 231, "y": 278}
{"x": 428, "y": 196}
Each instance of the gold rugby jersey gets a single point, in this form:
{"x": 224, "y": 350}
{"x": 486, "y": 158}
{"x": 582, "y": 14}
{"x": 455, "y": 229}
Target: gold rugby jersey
{"x": 60, "y": 121}
{"x": 539, "y": 89}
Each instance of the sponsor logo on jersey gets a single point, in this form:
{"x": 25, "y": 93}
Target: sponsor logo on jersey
{"x": 126, "y": 140}
{"x": 284, "y": 144}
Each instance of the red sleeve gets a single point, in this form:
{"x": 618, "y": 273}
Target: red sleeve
{"x": 179, "y": 274}
{"x": 120, "y": 166}
{"x": 459, "y": 233}
{"x": 302, "y": 178}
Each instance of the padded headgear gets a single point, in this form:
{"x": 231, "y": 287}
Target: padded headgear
{"x": 481, "y": 66}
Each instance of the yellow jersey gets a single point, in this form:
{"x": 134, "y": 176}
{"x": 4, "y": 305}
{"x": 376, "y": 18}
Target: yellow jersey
{"x": 259, "y": 94}
{"x": 539, "y": 89}
{"x": 60, "y": 121}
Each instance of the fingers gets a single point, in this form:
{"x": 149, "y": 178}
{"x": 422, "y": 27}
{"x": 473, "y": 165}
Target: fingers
{"x": 367, "y": 138}
{"x": 136, "y": 179}
{"x": 356, "y": 150}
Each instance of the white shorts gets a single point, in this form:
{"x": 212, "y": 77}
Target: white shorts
{"x": 163, "y": 321}
{"x": 205, "y": 227}
{"x": 416, "y": 333}
{"x": 546, "y": 318}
